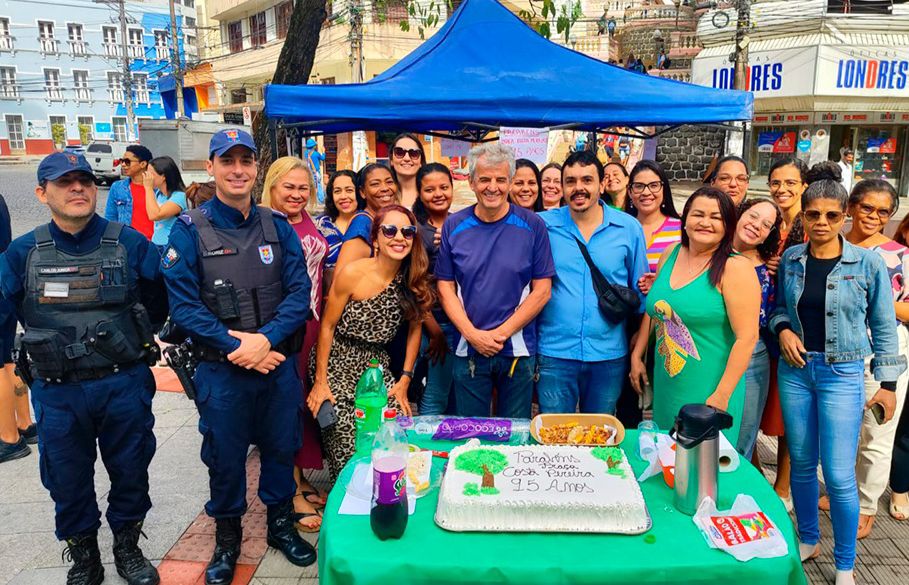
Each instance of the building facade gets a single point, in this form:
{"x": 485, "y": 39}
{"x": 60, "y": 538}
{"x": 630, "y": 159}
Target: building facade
{"x": 824, "y": 76}
{"x": 61, "y": 73}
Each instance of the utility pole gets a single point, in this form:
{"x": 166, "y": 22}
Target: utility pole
{"x": 742, "y": 24}
{"x": 356, "y": 41}
{"x": 175, "y": 60}
{"x": 127, "y": 76}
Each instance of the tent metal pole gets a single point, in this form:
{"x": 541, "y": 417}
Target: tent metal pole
{"x": 273, "y": 136}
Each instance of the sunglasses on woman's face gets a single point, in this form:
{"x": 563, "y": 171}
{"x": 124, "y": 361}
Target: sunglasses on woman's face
{"x": 814, "y": 215}
{"x": 390, "y": 231}
{"x": 413, "y": 152}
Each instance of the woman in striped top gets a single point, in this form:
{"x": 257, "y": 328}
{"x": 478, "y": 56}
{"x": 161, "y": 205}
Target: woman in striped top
{"x": 650, "y": 201}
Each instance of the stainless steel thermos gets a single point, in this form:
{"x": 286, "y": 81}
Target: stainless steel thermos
{"x": 696, "y": 433}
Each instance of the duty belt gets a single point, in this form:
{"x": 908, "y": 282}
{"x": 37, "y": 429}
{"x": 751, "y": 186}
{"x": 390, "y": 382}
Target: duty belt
{"x": 90, "y": 374}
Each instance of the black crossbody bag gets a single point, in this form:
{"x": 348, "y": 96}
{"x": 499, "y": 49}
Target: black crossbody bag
{"x": 616, "y": 302}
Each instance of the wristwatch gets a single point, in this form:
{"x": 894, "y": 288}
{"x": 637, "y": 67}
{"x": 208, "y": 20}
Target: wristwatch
{"x": 408, "y": 373}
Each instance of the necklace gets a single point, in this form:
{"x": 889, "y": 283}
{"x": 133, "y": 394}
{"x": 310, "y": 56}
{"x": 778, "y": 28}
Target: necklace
{"x": 700, "y": 268}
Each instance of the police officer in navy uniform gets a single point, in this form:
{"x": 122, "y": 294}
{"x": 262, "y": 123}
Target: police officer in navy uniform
{"x": 84, "y": 288}
{"x": 238, "y": 287}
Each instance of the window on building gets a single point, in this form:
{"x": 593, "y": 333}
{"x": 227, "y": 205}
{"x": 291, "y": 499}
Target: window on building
{"x": 86, "y": 128}
{"x": 119, "y": 125}
{"x": 140, "y": 86}
{"x": 238, "y": 96}
{"x": 189, "y": 3}
{"x": 46, "y": 38}
{"x": 189, "y": 22}
{"x": 76, "y": 40}
{"x": 9, "y": 89}
{"x": 862, "y": 6}
{"x": 109, "y": 34}
{"x": 190, "y": 43}
{"x": 6, "y": 40}
{"x": 15, "y": 131}
{"x": 52, "y": 89}
{"x": 161, "y": 45}
{"x": 80, "y": 86}
{"x": 257, "y": 32}
{"x": 394, "y": 11}
{"x": 58, "y": 129}
{"x": 328, "y": 81}
{"x": 235, "y": 36}
{"x": 115, "y": 86}
{"x": 136, "y": 44}
{"x": 283, "y": 12}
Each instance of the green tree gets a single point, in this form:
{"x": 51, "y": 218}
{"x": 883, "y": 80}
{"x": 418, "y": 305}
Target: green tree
{"x": 483, "y": 462}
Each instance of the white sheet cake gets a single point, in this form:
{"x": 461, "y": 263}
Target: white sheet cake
{"x": 540, "y": 488}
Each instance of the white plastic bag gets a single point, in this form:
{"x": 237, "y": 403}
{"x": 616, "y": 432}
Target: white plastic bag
{"x": 744, "y": 531}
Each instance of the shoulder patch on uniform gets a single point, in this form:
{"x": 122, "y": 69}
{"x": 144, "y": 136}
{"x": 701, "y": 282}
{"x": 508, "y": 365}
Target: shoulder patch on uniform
{"x": 277, "y": 213}
{"x": 185, "y": 218}
{"x": 169, "y": 258}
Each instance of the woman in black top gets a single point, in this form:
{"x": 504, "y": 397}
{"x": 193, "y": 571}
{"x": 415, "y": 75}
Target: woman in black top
{"x": 831, "y": 293}
{"x": 435, "y": 189}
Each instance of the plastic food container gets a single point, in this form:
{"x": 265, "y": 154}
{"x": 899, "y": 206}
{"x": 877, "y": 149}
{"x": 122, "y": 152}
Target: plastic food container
{"x": 548, "y": 420}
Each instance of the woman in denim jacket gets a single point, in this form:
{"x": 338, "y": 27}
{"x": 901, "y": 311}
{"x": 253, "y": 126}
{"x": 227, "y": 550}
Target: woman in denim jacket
{"x": 830, "y": 294}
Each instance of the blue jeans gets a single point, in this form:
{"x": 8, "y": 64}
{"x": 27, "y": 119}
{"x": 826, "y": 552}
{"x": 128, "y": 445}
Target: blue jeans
{"x": 566, "y": 384}
{"x": 437, "y": 396}
{"x": 475, "y": 377}
{"x": 757, "y": 385}
{"x": 823, "y": 406}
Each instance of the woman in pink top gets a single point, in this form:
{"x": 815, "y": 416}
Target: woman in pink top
{"x": 287, "y": 188}
{"x": 650, "y": 201}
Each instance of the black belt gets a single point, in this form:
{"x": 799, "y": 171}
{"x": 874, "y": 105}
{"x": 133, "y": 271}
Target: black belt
{"x": 206, "y": 353}
{"x": 88, "y": 374}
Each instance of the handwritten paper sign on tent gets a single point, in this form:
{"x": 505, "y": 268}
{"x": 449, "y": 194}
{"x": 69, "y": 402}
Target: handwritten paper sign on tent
{"x": 530, "y": 143}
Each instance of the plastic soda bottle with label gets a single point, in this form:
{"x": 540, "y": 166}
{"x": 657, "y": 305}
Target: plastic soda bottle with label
{"x": 388, "y": 516}
{"x": 370, "y": 401}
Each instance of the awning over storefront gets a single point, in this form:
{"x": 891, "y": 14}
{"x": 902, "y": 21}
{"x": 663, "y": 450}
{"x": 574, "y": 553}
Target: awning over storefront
{"x": 484, "y": 69}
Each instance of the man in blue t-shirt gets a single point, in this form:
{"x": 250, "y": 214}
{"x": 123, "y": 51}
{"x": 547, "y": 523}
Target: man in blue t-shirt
{"x": 495, "y": 274}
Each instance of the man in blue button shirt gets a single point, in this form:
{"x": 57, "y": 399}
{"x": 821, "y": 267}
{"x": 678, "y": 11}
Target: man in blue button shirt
{"x": 494, "y": 270}
{"x": 88, "y": 292}
{"x": 583, "y": 357}
{"x": 239, "y": 288}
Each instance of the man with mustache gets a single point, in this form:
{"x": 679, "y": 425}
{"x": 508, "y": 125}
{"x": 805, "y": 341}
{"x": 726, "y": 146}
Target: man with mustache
{"x": 239, "y": 288}
{"x": 88, "y": 291}
{"x": 582, "y": 355}
{"x": 495, "y": 273}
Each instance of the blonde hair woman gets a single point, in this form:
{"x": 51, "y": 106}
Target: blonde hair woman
{"x": 287, "y": 188}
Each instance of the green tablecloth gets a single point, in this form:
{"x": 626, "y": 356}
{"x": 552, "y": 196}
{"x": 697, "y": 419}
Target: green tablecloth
{"x": 350, "y": 553}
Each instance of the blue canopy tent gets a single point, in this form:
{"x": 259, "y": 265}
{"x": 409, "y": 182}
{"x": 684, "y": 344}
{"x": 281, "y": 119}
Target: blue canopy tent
{"x": 485, "y": 68}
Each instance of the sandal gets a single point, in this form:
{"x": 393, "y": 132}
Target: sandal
{"x": 866, "y": 523}
{"x": 300, "y": 517}
{"x": 899, "y": 512}
{"x": 318, "y": 502}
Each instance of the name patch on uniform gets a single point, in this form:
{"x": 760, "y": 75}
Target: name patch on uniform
{"x": 170, "y": 257}
{"x": 221, "y": 252}
{"x": 58, "y": 270}
{"x": 58, "y": 290}
{"x": 266, "y": 254}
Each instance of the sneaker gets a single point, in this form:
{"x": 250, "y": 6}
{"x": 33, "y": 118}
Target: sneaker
{"x": 17, "y": 450}
{"x": 30, "y": 434}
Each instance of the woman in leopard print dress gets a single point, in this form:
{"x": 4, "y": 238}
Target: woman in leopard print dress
{"x": 368, "y": 301}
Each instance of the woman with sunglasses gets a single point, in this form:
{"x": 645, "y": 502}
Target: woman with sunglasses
{"x": 407, "y": 156}
{"x": 831, "y": 293}
{"x": 617, "y": 180}
{"x": 525, "y": 185}
{"x": 551, "y": 185}
{"x": 757, "y": 238}
{"x": 378, "y": 187}
{"x": 288, "y": 187}
{"x": 369, "y": 300}
{"x": 871, "y": 205}
{"x": 705, "y": 305}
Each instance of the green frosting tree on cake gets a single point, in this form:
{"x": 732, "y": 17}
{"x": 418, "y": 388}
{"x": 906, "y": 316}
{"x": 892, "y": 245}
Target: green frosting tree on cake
{"x": 613, "y": 458}
{"x": 483, "y": 462}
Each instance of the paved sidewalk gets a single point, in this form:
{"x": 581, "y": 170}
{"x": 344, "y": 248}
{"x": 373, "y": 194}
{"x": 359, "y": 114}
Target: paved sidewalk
{"x": 181, "y": 535}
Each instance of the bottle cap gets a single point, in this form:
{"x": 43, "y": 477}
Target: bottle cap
{"x": 390, "y": 413}
{"x": 374, "y": 363}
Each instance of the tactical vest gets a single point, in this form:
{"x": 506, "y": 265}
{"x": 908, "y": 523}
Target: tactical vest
{"x": 242, "y": 269}
{"x": 83, "y": 319}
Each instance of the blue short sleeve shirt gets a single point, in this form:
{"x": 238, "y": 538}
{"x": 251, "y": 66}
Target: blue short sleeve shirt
{"x": 493, "y": 264}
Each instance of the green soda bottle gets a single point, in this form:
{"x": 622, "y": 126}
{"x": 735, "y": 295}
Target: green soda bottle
{"x": 369, "y": 404}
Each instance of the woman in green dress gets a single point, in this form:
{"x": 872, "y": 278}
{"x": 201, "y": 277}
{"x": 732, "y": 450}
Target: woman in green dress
{"x": 704, "y": 306}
